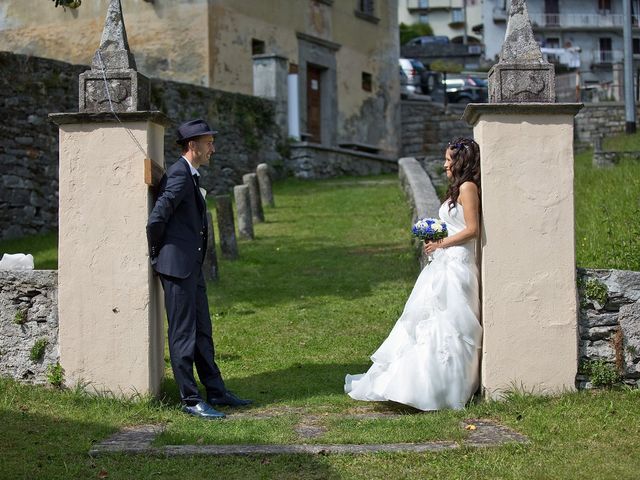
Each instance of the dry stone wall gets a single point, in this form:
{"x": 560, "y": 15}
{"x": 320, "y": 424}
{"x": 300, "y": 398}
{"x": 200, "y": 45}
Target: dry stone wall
{"x": 31, "y": 88}
{"x": 28, "y": 324}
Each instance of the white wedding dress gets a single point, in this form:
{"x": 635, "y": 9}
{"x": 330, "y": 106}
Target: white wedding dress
{"x": 430, "y": 360}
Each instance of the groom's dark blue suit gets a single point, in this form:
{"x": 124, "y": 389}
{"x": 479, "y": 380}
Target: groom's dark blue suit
{"x": 177, "y": 233}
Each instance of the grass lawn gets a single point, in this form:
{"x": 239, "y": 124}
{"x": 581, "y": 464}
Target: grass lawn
{"x": 308, "y": 301}
{"x": 607, "y": 206}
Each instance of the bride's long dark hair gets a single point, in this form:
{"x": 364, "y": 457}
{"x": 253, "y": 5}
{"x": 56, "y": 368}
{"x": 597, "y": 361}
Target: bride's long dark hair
{"x": 465, "y": 166}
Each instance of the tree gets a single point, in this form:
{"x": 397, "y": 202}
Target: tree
{"x": 407, "y": 32}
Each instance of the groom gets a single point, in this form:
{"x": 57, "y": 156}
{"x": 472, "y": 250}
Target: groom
{"x": 177, "y": 236}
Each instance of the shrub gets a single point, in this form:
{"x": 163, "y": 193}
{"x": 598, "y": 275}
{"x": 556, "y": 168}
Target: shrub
{"x": 20, "y": 317}
{"x": 601, "y": 373}
{"x": 55, "y": 375}
{"x": 37, "y": 351}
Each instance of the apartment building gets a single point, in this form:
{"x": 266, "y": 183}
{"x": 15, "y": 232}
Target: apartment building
{"x": 584, "y": 35}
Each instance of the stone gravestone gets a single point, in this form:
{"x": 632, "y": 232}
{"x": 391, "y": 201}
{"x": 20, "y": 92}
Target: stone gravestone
{"x": 210, "y": 264}
{"x": 264, "y": 184}
{"x": 243, "y": 208}
{"x": 226, "y": 227}
{"x": 251, "y": 180}
{"x": 529, "y": 309}
{"x": 110, "y": 302}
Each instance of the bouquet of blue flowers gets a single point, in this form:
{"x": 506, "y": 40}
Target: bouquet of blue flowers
{"x": 430, "y": 229}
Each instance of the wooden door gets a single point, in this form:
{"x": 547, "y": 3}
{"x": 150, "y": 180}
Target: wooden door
{"x": 314, "y": 96}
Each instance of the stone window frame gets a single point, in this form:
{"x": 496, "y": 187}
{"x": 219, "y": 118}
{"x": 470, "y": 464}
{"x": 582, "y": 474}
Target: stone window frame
{"x": 365, "y": 10}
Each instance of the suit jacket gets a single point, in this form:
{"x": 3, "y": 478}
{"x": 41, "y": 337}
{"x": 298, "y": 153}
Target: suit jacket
{"x": 177, "y": 227}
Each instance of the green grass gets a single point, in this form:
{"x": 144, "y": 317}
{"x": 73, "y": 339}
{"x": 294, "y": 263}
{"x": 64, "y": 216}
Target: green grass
{"x": 607, "y": 206}
{"x": 307, "y": 302}
{"x": 44, "y": 249}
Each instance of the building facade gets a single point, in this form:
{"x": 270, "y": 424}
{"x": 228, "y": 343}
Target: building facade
{"x": 450, "y": 18}
{"x": 584, "y": 36}
{"x": 344, "y": 53}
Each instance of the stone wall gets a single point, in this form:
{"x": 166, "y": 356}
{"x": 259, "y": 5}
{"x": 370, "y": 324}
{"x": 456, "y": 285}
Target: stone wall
{"x": 609, "y": 321}
{"x": 32, "y": 87}
{"x": 316, "y": 161}
{"x": 427, "y": 128}
{"x": 28, "y": 319}
{"x": 600, "y": 119}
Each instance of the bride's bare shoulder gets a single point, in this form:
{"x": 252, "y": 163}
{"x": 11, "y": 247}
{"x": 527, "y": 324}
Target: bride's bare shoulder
{"x": 469, "y": 188}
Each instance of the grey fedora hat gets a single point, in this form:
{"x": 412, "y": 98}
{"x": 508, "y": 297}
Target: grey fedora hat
{"x": 192, "y": 129}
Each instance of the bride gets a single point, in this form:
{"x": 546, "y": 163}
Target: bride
{"x": 430, "y": 360}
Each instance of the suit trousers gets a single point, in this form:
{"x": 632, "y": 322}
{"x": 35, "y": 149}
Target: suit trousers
{"x": 190, "y": 336}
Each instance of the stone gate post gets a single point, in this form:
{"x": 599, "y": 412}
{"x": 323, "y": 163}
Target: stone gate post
{"x": 529, "y": 306}
{"x": 110, "y": 307}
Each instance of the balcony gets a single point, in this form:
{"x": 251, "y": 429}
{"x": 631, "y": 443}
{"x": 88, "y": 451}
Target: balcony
{"x": 607, "y": 56}
{"x": 579, "y": 20}
{"x": 426, "y": 6}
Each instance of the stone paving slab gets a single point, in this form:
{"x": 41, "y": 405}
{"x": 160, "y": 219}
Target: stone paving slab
{"x": 138, "y": 440}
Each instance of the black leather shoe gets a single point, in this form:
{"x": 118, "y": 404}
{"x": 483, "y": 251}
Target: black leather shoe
{"x": 228, "y": 399}
{"x": 203, "y": 410}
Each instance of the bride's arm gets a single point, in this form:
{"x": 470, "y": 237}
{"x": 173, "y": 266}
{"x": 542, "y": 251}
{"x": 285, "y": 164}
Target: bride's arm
{"x": 470, "y": 202}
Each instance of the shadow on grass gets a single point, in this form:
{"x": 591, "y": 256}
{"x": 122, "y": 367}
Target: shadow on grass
{"x": 37, "y": 445}
{"x": 293, "y": 384}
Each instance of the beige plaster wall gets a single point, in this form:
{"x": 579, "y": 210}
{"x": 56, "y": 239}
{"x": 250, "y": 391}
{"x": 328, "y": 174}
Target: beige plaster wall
{"x": 528, "y": 260}
{"x": 111, "y": 333}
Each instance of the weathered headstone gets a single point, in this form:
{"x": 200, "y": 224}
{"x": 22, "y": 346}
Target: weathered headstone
{"x": 243, "y": 208}
{"x": 226, "y": 227}
{"x": 113, "y": 82}
{"x": 210, "y": 264}
{"x": 264, "y": 184}
{"x": 521, "y": 74}
{"x": 251, "y": 180}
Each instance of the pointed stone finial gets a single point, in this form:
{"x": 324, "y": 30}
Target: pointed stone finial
{"x": 521, "y": 75}
{"x": 113, "y": 84}
{"x": 114, "y": 53}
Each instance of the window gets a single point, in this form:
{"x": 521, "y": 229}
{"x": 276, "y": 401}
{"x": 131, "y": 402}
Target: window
{"x": 423, "y": 18}
{"x": 605, "y": 50}
{"x": 423, "y": 3}
{"x": 366, "y": 82}
{"x": 636, "y": 46}
{"x": 366, "y": 6}
{"x": 552, "y": 42}
{"x": 257, "y": 46}
{"x": 604, "y": 6}
{"x": 457, "y": 15}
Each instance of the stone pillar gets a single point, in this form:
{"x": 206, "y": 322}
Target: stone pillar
{"x": 270, "y": 81}
{"x": 210, "y": 264}
{"x": 529, "y": 309}
{"x": 243, "y": 208}
{"x": 110, "y": 302}
{"x": 111, "y": 312}
{"x": 226, "y": 227}
{"x": 251, "y": 180}
{"x": 264, "y": 184}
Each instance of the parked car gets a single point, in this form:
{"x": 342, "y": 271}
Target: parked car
{"x": 467, "y": 88}
{"x": 413, "y": 69}
{"x": 429, "y": 40}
